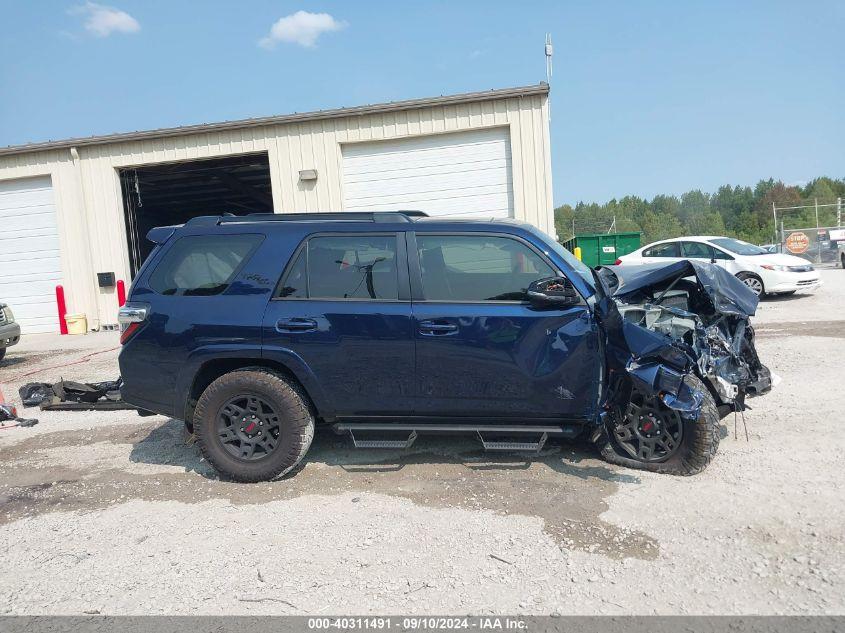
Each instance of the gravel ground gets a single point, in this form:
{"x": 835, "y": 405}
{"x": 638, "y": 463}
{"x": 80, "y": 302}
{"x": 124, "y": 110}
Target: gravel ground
{"x": 112, "y": 513}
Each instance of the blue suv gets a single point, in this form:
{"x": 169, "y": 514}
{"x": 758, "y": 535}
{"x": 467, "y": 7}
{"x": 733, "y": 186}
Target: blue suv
{"x": 253, "y": 329}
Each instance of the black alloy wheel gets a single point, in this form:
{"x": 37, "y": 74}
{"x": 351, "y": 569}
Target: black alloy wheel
{"x": 650, "y": 432}
{"x": 248, "y": 427}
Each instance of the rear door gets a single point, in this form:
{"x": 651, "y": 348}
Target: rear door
{"x": 698, "y": 251}
{"x": 343, "y": 313}
{"x": 482, "y": 349}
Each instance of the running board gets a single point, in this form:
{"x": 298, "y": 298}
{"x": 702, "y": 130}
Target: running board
{"x": 512, "y": 432}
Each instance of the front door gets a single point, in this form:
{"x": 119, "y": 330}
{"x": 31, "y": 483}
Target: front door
{"x": 343, "y": 314}
{"x": 481, "y": 349}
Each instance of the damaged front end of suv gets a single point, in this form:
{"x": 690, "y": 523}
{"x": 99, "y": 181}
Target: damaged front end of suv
{"x": 680, "y": 356}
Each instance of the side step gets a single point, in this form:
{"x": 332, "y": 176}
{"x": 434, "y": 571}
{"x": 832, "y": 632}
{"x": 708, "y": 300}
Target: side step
{"x": 510, "y": 434}
{"x": 400, "y": 444}
{"x": 534, "y": 447}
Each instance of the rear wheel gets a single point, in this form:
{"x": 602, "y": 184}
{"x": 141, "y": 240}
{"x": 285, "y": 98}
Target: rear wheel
{"x": 2, "y": 352}
{"x": 754, "y": 283}
{"x": 253, "y": 425}
{"x": 842, "y": 260}
{"x": 648, "y": 435}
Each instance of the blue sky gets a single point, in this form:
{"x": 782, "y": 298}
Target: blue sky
{"x": 647, "y": 97}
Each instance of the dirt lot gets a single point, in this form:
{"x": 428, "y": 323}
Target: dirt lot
{"x": 117, "y": 514}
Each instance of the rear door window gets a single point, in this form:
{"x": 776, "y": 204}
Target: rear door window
{"x": 345, "y": 267}
{"x": 697, "y": 250}
{"x": 478, "y": 268}
{"x": 670, "y": 249}
{"x": 202, "y": 265}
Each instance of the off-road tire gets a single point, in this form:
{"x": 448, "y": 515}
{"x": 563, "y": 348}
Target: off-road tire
{"x": 2, "y": 352}
{"x": 287, "y": 399}
{"x": 842, "y": 260}
{"x": 743, "y": 276}
{"x": 699, "y": 443}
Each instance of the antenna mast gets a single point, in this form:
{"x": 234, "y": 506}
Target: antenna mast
{"x": 549, "y": 50}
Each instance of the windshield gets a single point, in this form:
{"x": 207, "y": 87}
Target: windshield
{"x": 738, "y": 246}
{"x": 579, "y": 267}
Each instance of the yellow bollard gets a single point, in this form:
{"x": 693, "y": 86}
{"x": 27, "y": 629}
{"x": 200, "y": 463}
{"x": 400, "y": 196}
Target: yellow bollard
{"x": 577, "y": 252}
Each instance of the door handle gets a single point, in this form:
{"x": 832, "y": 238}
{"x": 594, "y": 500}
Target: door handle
{"x": 296, "y": 324}
{"x": 437, "y": 328}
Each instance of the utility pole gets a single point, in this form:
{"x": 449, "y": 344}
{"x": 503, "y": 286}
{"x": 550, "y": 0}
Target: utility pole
{"x": 775, "y": 216}
{"x": 548, "y": 49}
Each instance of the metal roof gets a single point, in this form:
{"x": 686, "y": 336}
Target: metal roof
{"x": 379, "y": 108}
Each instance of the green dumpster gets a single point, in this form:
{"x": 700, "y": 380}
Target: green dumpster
{"x": 602, "y": 249}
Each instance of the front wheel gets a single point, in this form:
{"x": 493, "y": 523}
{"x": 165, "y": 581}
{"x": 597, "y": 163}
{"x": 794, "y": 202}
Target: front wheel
{"x": 754, "y": 283}
{"x": 648, "y": 435}
{"x": 253, "y": 424}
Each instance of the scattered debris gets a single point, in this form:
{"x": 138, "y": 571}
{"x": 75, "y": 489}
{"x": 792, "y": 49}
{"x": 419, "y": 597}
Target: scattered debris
{"x": 67, "y": 395}
{"x": 502, "y": 560}
{"x": 8, "y": 413}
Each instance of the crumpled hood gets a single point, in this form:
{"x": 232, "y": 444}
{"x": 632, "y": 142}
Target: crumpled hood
{"x": 727, "y": 294}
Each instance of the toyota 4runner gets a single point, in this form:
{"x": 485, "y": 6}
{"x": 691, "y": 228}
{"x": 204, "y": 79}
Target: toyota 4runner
{"x": 254, "y": 329}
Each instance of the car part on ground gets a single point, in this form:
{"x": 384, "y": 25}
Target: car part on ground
{"x": 67, "y": 395}
{"x": 9, "y": 414}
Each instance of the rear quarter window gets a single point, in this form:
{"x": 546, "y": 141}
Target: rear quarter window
{"x": 202, "y": 265}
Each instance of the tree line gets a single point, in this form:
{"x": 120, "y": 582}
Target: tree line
{"x": 736, "y": 211}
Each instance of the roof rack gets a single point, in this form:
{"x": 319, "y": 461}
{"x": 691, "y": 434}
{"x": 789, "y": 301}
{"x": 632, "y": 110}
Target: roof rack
{"x": 341, "y": 216}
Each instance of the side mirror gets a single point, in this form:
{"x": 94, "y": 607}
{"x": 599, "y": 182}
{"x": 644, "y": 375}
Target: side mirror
{"x": 553, "y": 292}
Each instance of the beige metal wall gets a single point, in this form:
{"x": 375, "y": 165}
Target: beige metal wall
{"x": 90, "y": 209}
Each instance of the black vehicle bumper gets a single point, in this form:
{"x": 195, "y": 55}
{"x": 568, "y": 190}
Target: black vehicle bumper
{"x": 10, "y": 334}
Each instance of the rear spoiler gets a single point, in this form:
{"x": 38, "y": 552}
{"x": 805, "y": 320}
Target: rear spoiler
{"x": 160, "y": 234}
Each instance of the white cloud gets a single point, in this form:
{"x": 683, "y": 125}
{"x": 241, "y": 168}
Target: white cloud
{"x": 102, "y": 20}
{"x": 301, "y": 28}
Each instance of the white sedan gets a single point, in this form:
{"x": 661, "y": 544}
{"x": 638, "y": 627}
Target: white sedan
{"x": 763, "y": 272}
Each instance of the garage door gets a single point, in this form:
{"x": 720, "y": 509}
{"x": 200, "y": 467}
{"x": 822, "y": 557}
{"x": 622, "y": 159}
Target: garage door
{"x": 460, "y": 174}
{"x": 29, "y": 253}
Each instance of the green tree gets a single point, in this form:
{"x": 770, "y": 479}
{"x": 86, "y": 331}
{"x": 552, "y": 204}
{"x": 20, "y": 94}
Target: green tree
{"x": 733, "y": 210}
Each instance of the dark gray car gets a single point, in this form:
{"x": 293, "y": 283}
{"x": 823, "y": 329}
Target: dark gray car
{"x": 10, "y": 332}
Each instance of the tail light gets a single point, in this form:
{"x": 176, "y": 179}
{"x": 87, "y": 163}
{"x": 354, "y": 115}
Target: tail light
{"x": 130, "y": 317}
{"x": 618, "y": 262}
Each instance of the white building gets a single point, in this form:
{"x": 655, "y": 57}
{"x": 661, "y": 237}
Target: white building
{"x": 72, "y": 209}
